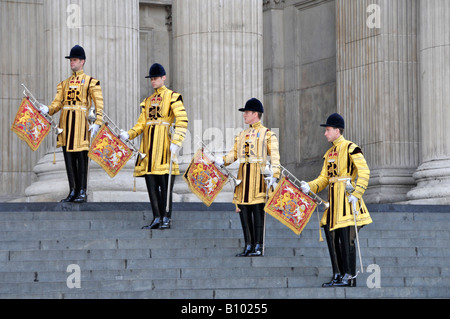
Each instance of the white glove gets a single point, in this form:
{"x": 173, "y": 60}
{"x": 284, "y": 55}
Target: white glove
{"x": 305, "y": 187}
{"x": 271, "y": 182}
{"x": 124, "y": 135}
{"x": 218, "y": 161}
{"x": 44, "y": 109}
{"x": 174, "y": 148}
{"x": 94, "y": 129}
{"x": 353, "y": 200}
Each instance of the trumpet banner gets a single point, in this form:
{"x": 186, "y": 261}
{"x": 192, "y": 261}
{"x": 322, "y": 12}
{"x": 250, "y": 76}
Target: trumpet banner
{"x": 109, "y": 151}
{"x": 290, "y": 206}
{"x": 204, "y": 179}
{"x": 30, "y": 125}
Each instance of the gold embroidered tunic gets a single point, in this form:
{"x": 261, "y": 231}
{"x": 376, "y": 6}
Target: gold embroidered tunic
{"x": 74, "y": 97}
{"x": 343, "y": 160}
{"x": 253, "y": 147}
{"x": 158, "y": 112}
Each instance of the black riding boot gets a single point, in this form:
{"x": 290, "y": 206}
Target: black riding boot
{"x": 82, "y": 163}
{"x": 154, "y": 195}
{"x": 155, "y": 224}
{"x": 347, "y": 280}
{"x": 166, "y": 221}
{"x": 157, "y": 192}
{"x": 258, "y": 219}
{"x": 247, "y": 250}
{"x": 247, "y": 227}
{"x": 336, "y": 278}
{"x": 69, "y": 160}
{"x": 335, "y": 258}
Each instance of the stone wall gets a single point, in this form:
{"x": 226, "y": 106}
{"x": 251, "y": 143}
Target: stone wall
{"x": 300, "y": 79}
{"x": 382, "y": 64}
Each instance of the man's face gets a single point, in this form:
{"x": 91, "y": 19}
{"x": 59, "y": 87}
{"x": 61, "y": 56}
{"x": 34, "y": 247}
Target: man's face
{"x": 332, "y": 133}
{"x": 76, "y": 64}
{"x": 250, "y": 117}
{"x": 158, "y": 82}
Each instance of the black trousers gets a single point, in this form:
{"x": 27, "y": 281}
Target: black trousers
{"x": 252, "y": 221}
{"x": 341, "y": 247}
{"x": 157, "y": 192}
{"x": 76, "y": 169}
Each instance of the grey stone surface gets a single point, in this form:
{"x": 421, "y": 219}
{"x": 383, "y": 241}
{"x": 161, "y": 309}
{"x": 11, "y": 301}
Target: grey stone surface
{"x": 304, "y": 58}
{"x": 195, "y": 258}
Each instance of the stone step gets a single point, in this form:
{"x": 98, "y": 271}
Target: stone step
{"x": 131, "y": 214}
{"x": 390, "y": 275}
{"x": 89, "y": 221}
{"x": 268, "y": 296}
{"x": 309, "y": 238}
{"x": 299, "y": 276}
{"x": 86, "y": 234}
{"x": 369, "y": 257}
{"x": 427, "y": 229}
{"x": 303, "y": 246}
{"x": 332, "y": 293}
{"x": 139, "y": 210}
{"x": 205, "y": 296}
{"x": 33, "y": 262}
{"x": 258, "y": 286}
{"x": 195, "y": 258}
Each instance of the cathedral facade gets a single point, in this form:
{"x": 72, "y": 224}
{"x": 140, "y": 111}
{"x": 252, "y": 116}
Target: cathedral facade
{"x": 382, "y": 64}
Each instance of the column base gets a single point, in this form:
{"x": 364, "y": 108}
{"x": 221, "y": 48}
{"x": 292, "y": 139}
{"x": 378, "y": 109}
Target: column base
{"x": 51, "y": 183}
{"x": 389, "y": 185}
{"x": 433, "y": 183}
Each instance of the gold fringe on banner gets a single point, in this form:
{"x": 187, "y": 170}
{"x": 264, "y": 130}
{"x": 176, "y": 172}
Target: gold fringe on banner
{"x": 204, "y": 179}
{"x": 290, "y": 206}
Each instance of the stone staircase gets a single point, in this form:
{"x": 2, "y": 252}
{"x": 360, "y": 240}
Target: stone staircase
{"x": 407, "y": 248}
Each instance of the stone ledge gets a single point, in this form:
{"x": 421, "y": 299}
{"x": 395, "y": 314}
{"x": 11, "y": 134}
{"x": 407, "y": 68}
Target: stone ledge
{"x": 192, "y": 206}
{"x": 109, "y": 206}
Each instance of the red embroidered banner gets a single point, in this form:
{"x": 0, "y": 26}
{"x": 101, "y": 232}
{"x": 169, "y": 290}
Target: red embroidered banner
{"x": 204, "y": 179}
{"x": 290, "y": 206}
{"x": 30, "y": 125}
{"x": 109, "y": 151}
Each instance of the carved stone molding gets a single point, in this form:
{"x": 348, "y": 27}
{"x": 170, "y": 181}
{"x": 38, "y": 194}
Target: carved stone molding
{"x": 306, "y": 4}
{"x": 169, "y": 17}
{"x": 273, "y": 4}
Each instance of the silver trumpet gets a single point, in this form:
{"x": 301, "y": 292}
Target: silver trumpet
{"x": 116, "y": 130}
{"x": 233, "y": 179}
{"x": 314, "y": 196}
{"x": 38, "y": 106}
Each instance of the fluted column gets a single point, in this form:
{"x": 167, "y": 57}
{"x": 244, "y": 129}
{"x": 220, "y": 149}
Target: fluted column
{"x": 109, "y": 33}
{"x": 377, "y": 90}
{"x": 21, "y": 56}
{"x": 433, "y": 174}
{"x": 218, "y": 66}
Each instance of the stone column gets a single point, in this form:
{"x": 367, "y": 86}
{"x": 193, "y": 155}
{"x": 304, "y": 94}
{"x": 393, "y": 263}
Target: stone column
{"x": 218, "y": 66}
{"x": 275, "y": 83}
{"x": 109, "y": 33}
{"x": 21, "y": 56}
{"x": 433, "y": 174}
{"x": 377, "y": 90}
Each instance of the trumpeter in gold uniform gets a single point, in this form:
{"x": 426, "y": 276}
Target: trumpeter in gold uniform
{"x": 158, "y": 112}
{"x": 252, "y": 148}
{"x": 343, "y": 161}
{"x": 74, "y": 97}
